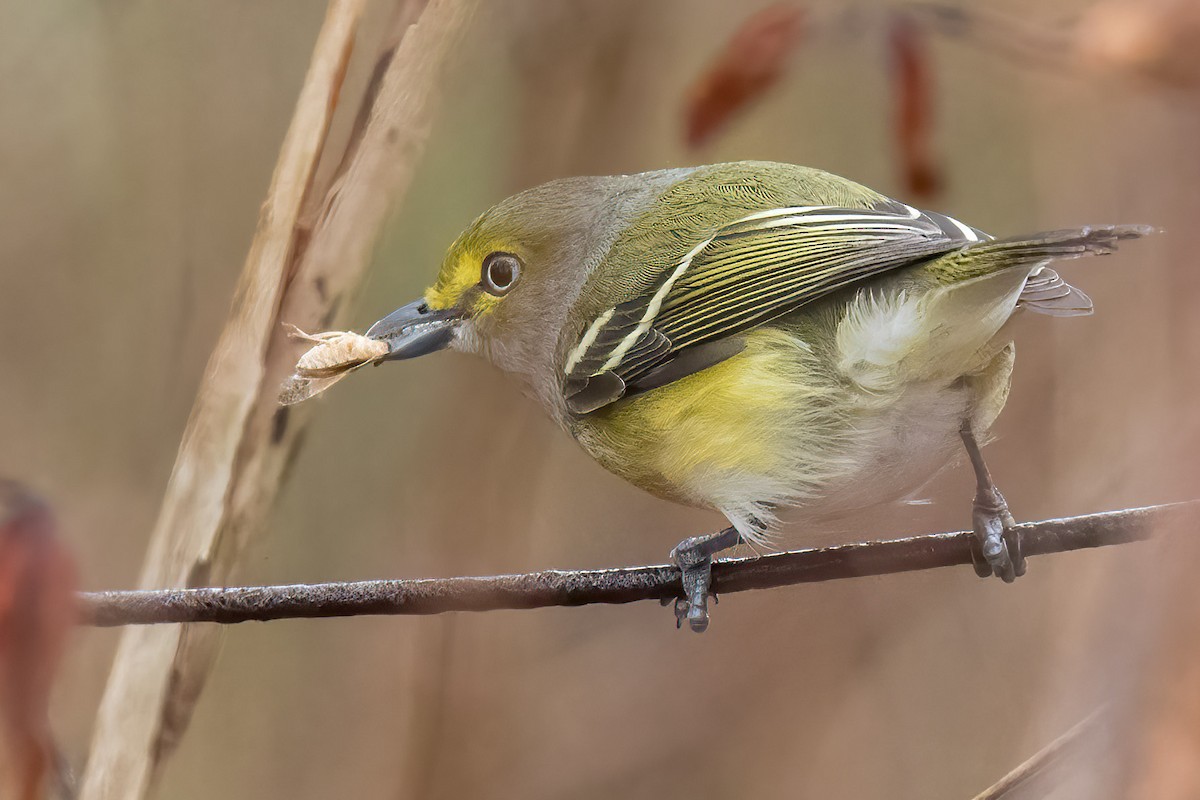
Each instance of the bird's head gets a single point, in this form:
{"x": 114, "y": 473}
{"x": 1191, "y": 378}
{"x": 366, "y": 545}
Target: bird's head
{"x": 508, "y": 286}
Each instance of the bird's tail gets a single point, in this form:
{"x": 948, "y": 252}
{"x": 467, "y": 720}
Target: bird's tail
{"x": 1045, "y": 291}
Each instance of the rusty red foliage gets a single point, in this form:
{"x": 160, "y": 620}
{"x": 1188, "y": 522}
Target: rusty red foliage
{"x": 37, "y": 611}
{"x": 750, "y": 63}
{"x": 912, "y": 78}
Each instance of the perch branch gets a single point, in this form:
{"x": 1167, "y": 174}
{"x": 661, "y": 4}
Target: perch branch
{"x": 626, "y": 585}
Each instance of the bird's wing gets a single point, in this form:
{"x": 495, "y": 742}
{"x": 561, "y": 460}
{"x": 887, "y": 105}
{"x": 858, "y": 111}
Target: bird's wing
{"x": 748, "y": 272}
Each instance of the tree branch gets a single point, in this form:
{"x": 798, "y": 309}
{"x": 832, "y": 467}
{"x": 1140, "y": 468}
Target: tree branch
{"x": 625, "y": 585}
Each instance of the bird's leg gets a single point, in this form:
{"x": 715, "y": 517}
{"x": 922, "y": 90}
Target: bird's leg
{"x": 694, "y": 558}
{"x": 999, "y": 544}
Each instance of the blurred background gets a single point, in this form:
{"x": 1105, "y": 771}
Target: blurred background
{"x": 137, "y": 145}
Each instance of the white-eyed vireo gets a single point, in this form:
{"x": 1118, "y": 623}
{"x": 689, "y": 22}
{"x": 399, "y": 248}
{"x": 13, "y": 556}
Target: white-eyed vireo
{"x": 751, "y": 335}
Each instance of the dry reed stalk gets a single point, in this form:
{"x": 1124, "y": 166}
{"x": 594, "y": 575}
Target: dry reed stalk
{"x": 237, "y": 443}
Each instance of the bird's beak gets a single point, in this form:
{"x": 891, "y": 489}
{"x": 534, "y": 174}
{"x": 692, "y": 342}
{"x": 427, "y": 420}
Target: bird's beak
{"x": 415, "y": 329}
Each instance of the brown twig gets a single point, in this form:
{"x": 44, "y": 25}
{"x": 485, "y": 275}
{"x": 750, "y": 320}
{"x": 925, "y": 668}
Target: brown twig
{"x": 1043, "y": 760}
{"x": 626, "y": 585}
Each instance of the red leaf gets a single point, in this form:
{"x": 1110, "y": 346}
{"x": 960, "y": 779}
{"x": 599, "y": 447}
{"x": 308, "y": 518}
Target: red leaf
{"x": 751, "y": 62}
{"x": 913, "y": 86}
{"x": 37, "y": 611}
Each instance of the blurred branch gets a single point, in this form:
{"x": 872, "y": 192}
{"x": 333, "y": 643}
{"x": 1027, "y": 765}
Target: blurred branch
{"x": 1040, "y": 763}
{"x": 626, "y": 585}
{"x": 238, "y": 443}
{"x": 1150, "y": 40}
{"x": 1025, "y": 43}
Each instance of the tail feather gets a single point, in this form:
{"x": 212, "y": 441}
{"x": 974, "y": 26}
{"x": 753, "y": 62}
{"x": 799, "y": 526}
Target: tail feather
{"x": 1092, "y": 240}
{"x": 1045, "y": 291}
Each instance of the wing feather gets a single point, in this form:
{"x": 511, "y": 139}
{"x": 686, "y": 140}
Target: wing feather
{"x": 753, "y": 270}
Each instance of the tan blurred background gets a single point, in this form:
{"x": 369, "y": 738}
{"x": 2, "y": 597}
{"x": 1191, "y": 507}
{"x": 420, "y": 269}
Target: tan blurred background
{"x": 137, "y": 144}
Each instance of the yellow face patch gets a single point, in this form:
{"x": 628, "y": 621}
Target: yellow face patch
{"x": 461, "y": 272}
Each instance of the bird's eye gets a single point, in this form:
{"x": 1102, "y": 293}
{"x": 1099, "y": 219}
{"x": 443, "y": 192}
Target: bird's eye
{"x": 500, "y": 273}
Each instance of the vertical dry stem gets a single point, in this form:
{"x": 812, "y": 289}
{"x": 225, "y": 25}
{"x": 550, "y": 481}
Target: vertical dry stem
{"x": 237, "y": 444}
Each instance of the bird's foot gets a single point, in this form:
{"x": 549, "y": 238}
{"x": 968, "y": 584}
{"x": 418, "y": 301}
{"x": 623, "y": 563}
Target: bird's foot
{"x": 999, "y": 552}
{"x": 694, "y": 557}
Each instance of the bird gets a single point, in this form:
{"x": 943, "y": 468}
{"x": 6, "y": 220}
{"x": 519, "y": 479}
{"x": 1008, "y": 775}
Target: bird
{"x": 752, "y": 336}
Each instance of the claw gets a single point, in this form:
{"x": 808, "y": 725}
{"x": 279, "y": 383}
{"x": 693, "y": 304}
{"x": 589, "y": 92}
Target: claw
{"x": 999, "y": 544}
{"x": 694, "y": 557}
{"x": 1013, "y": 537}
{"x": 982, "y": 568}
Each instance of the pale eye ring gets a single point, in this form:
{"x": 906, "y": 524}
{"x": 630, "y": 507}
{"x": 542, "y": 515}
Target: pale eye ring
{"x": 500, "y": 273}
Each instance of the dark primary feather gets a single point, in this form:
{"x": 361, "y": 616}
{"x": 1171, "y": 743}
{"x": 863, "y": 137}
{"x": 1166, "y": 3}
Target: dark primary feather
{"x": 1045, "y": 291}
{"x": 1030, "y": 250}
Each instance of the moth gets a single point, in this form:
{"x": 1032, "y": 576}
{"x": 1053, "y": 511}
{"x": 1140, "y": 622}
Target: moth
{"x": 333, "y": 356}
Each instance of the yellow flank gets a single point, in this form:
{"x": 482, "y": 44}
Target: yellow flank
{"x": 724, "y": 420}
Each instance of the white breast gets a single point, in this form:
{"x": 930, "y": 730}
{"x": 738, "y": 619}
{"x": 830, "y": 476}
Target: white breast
{"x": 895, "y": 448}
